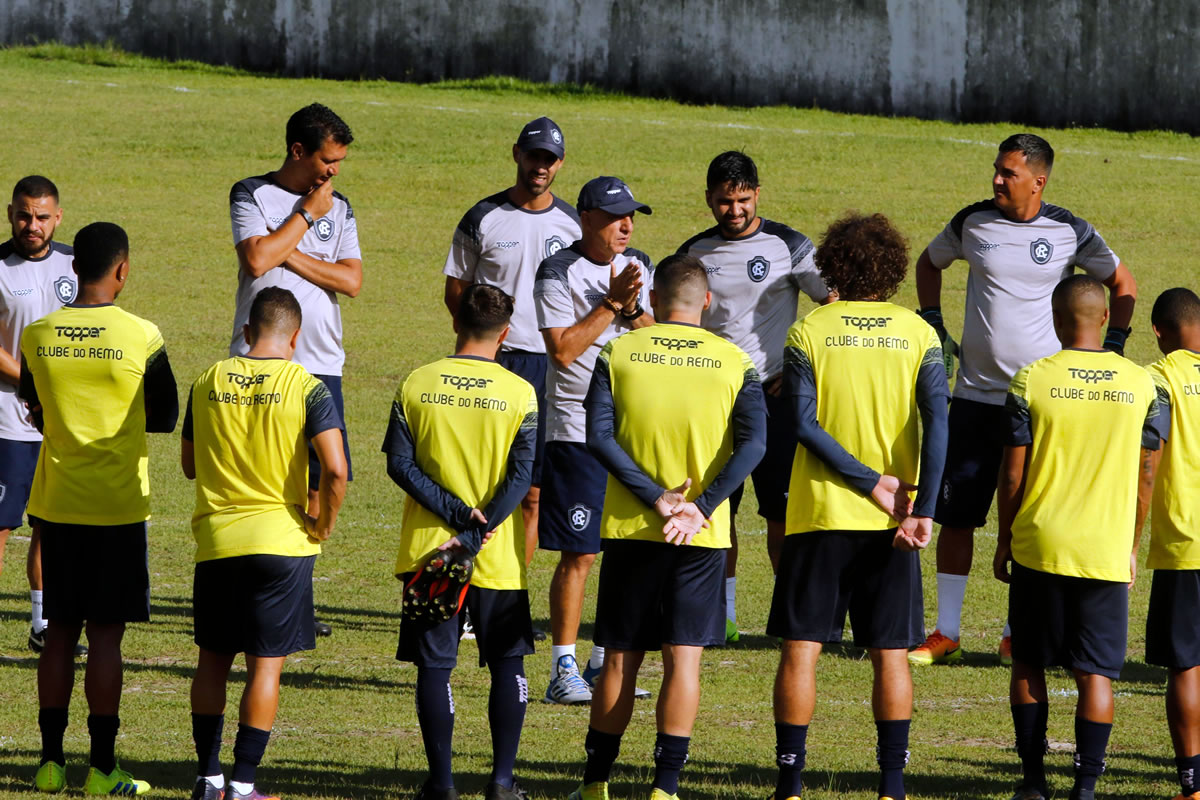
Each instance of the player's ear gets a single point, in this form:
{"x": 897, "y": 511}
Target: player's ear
{"x": 1104, "y": 318}
{"x": 1039, "y": 183}
{"x": 503, "y": 334}
{"x": 1157, "y": 332}
{"x": 122, "y": 271}
{"x": 295, "y": 338}
{"x": 246, "y": 335}
{"x": 454, "y": 324}
{"x": 295, "y": 151}
{"x": 707, "y": 300}
{"x": 74, "y": 268}
{"x": 516, "y": 154}
{"x": 10, "y": 213}
{"x": 654, "y": 300}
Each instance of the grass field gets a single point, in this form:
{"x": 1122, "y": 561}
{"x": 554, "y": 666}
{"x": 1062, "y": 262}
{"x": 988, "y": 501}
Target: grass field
{"x": 156, "y": 149}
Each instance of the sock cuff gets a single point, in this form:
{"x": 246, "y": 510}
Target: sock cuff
{"x": 249, "y": 734}
{"x": 790, "y": 738}
{"x": 103, "y": 722}
{"x": 951, "y": 578}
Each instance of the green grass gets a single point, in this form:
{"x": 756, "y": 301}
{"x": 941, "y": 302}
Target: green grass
{"x": 156, "y": 148}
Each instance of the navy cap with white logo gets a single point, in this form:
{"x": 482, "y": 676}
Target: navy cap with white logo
{"x": 611, "y": 195}
{"x": 542, "y": 134}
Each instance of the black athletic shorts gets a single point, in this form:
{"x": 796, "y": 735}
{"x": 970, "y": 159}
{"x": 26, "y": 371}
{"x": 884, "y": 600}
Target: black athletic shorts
{"x": 773, "y": 475}
{"x": 1064, "y": 621}
{"x": 501, "y": 621}
{"x": 1173, "y": 621}
{"x": 973, "y": 455}
{"x": 654, "y": 593}
{"x": 824, "y": 574}
{"x": 334, "y": 384}
{"x": 18, "y": 461}
{"x": 531, "y": 367}
{"x": 572, "y": 499}
{"x": 261, "y": 605}
{"x": 97, "y": 573}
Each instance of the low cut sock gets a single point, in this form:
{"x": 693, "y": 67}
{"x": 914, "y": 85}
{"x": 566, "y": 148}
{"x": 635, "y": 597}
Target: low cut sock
{"x": 789, "y": 756}
{"x": 53, "y": 724}
{"x": 951, "y": 589}
{"x": 1091, "y": 740}
{"x": 670, "y": 754}
{"x": 206, "y": 733}
{"x": 248, "y": 749}
{"x": 602, "y": 749}
{"x": 1029, "y": 724}
{"x": 435, "y": 715}
{"x": 103, "y": 731}
{"x": 507, "y": 701}
{"x": 891, "y": 751}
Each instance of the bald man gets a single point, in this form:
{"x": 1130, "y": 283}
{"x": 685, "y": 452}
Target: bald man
{"x": 1069, "y": 551}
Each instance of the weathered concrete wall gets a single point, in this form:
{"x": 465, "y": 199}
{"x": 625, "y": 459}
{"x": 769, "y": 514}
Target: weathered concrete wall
{"x": 1125, "y": 64}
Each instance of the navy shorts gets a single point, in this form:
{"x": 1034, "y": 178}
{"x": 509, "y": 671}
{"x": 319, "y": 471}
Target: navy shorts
{"x": 973, "y": 455}
{"x": 98, "y": 573}
{"x": 501, "y": 621}
{"x": 1064, "y": 621}
{"x": 334, "y": 384}
{"x": 531, "y": 367}
{"x": 654, "y": 593}
{"x": 572, "y": 498}
{"x": 261, "y": 605}
{"x": 1173, "y": 622}
{"x": 18, "y": 460}
{"x": 773, "y": 475}
{"x": 825, "y": 574}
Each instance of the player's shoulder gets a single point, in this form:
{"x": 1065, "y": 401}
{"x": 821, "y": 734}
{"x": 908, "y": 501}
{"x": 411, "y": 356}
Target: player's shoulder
{"x": 703, "y": 236}
{"x": 55, "y": 247}
{"x": 349, "y": 208}
{"x": 473, "y": 219}
{"x": 982, "y": 211}
{"x": 7, "y": 250}
{"x": 641, "y": 256}
{"x": 563, "y": 207}
{"x": 244, "y": 190}
{"x": 557, "y": 266}
{"x": 794, "y": 239}
{"x": 1082, "y": 228}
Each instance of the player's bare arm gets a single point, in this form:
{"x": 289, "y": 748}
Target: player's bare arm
{"x": 187, "y": 458}
{"x": 10, "y": 368}
{"x": 1009, "y": 492}
{"x": 929, "y": 281}
{"x": 1122, "y": 295}
{"x": 1148, "y": 468}
{"x": 332, "y": 489}
{"x": 257, "y": 255}
{"x": 343, "y": 277}
{"x": 453, "y": 293}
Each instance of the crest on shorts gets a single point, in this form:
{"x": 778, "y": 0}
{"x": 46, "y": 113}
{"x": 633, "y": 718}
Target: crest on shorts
{"x": 64, "y": 288}
{"x": 1040, "y": 251}
{"x": 553, "y": 245}
{"x": 324, "y": 228}
{"x": 757, "y": 268}
{"x": 579, "y": 516}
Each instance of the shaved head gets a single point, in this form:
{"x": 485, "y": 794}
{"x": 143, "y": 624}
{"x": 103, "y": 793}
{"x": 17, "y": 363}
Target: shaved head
{"x": 1080, "y": 309}
{"x": 1176, "y": 320}
{"x": 681, "y": 284}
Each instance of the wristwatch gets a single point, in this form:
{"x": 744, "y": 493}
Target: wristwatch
{"x": 637, "y": 312}
{"x": 308, "y": 218}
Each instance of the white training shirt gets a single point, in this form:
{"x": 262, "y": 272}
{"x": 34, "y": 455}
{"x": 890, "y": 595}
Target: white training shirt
{"x": 756, "y": 283}
{"x": 1014, "y": 269}
{"x": 30, "y": 288}
{"x": 257, "y": 207}
{"x": 569, "y": 285}
{"x": 502, "y": 245}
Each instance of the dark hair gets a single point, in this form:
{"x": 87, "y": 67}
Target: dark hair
{"x": 1175, "y": 309}
{"x": 274, "y": 310}
{"x": 483, "y": 311}
{"x": 99, "y": 247}
{"x": 732, "y": 167}
{"x": 1037, "y": 151}
{"x": 35, "y": 186}
{"x": 1075, "y": 287}
{"x": 313, "y": 124}
{"x": 678, "y": 276}
{"x": 863, "y": 257}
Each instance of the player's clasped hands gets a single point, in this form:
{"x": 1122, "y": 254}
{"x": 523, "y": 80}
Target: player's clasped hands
{"x": 624, "y": 286}
{"x": 684, "y": 518}
{"x": 892, "y": 495}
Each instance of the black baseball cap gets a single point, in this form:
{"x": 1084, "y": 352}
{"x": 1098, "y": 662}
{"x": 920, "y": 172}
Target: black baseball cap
{"x": 542, "y": 134}
{"x": 611, "y": 195}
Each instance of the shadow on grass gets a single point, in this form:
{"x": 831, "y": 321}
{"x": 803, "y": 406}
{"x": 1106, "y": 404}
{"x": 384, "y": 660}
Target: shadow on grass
{"x": 1001, "y": 775}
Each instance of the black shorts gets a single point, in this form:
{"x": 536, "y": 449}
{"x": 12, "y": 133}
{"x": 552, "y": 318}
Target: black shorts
{"x": 531, "y": 367}
{"x": 1173, "y": 621}
{"x": 773, "y": 475}
{"x": 334, "y": 384}
{"x": 973, "y": 455}
{"x": 1063, "y": 621}
{"x": 501, "y": 621}
{"x": 572, "y": 499}
{"x": 654, "y": 593}
{"x": 261, "y": 605}
{"x": 18, "y": 460}
{"x": 824, "y": 574}
{"x": 97, "y": 573}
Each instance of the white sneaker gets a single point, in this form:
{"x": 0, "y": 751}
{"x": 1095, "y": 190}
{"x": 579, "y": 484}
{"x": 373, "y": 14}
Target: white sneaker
{"x": 567, "y": 687}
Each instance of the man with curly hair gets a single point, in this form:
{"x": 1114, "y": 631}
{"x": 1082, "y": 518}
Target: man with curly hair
{"x": 852, "y": 531}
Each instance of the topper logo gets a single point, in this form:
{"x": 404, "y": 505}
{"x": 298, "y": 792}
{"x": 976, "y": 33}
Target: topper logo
{"x": 77, "y": 332}
{"x": 675, "y": 344}
{"x": 1092, "y": 375}
{"x": 244, "y": 381}
{"x": 866, "y": 323}
{"x": 465, "y": 382}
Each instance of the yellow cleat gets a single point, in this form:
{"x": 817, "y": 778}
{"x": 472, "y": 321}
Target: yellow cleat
{"x": 1006, "y": 651}
{"x": 51, "y": 778}
{"x": 659, "y": 794}
{"x": 118, "y": 782}
{"x": 937, "y": 649}
{"x": 592, "y": 791}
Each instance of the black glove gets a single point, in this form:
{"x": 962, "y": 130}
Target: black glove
{"x": 1115, "y": 338}
{"x": 933, "y": 315}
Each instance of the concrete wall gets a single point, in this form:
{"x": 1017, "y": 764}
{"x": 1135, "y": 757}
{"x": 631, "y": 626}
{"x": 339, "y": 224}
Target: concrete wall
{"x": 1130, "y": 64}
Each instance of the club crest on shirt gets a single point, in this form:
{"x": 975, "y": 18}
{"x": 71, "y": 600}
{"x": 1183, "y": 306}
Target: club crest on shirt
{"x": 553, "y": 245}
{"x": 579, "y": 516}
{"x": 64, "y": 288}
{"x": 758, "y": 268}
{"x": 324, "y": 228}
{"x": 1040, "y": 251}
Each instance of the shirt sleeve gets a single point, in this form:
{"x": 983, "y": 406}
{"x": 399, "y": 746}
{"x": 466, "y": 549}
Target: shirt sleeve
{"x": 749, "y": 421}
{"x": 320, "y": 412}
{"x": 403, "y": 469}
{"x": 806, "y": 275}
{"x": 161, "y": 394}
{"x": 1093, "y": 255}
{"x": 245, "y": 215}
{"x": 465, "y": 250}
{"x": 348, "y": 244}
{"x": 933, "y": 401}
{"x": 1016, "y": 409}
{"x": 1157, "y": 428}
{"x": 946, "y": 248}
{"x": 552, "y": 299}
{"x": 601, "y": 435}
{"x": 518, "y": 475}
{"x": 800, "y": 385}
{"x": 187, "y": 433}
